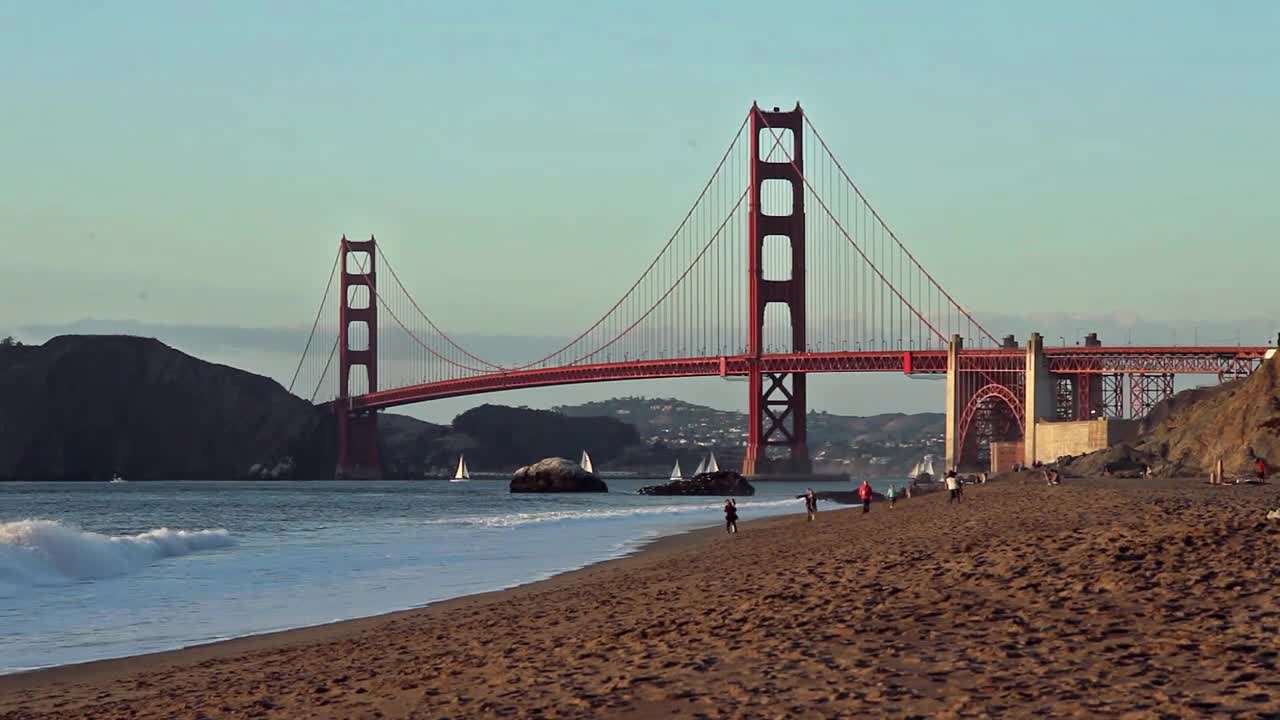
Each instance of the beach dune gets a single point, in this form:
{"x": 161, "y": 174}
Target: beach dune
{"x": 1092, "y": 599}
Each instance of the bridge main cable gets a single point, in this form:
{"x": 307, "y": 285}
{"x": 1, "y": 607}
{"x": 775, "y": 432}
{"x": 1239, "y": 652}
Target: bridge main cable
{"x": 316, "y": 323}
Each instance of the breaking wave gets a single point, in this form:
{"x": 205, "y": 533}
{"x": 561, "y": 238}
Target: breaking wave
{"x": 34, "y": 551}
{"x": 528, "y": 518}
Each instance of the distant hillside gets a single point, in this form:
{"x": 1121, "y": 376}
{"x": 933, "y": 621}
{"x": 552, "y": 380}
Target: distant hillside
{"x": 878, "y": 445}
{"x": 661, "y": 418}
{"x": 496, "y": 438}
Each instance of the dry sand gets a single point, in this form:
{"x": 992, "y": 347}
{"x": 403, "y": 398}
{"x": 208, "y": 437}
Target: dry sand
{"x": 1093, "y": 599}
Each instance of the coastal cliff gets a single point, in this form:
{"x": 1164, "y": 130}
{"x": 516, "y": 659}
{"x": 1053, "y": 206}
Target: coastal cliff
{"x": 1187, "y": 434}
{"x": 83, "y": 407}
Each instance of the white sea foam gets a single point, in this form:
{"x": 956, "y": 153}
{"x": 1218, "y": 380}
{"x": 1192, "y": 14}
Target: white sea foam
{"x": 34, "y": 551}
{"x": 504, "y": 520}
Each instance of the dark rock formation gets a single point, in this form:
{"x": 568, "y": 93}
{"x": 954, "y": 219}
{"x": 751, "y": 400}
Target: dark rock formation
{"x": 83, "y": 407}
{"x": 555, "y": 475}
{"x": 721, "y": 482}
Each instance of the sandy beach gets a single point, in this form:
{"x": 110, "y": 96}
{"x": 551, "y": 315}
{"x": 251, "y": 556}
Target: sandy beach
{"x": 1096, "y": 598}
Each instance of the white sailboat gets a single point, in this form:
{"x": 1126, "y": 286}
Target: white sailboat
{"x": 461, "y": 474}
{"x": 711, "y": 464}
{"x": 702, "y": 467}
{"x": 675, "y": 473}
{"x": 117, "y": 479}
{"x": 586, "y": 462}
{"x": 923, "y": 470}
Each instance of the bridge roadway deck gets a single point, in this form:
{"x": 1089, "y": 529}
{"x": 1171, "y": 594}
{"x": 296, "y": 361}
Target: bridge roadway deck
{"x": 1071, "y": 359}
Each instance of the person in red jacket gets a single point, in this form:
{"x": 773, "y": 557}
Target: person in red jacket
{"x": 865, "y": 494}
{"x": 1260, "y": 468}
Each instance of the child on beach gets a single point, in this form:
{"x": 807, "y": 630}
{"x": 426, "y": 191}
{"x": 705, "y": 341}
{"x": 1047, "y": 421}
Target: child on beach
{"x": 892, "y": 494}
{"x": 953, "y": 487}
{"x": 865, "y": 494}
{"x": 730, "y": 516}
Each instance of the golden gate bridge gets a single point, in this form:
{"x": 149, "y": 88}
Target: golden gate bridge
{"x": 780, "y": 268}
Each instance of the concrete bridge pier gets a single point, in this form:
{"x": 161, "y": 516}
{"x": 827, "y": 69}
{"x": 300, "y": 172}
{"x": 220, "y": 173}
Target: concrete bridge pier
{"x": 954, "y": 408}
{"x": 1039, "y": 402}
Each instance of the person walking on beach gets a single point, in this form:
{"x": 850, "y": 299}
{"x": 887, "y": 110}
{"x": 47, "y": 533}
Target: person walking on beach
{"x": 730, "y": 516}
{"x": 953, "y": 487}
{"x": 810, "y": 503}
{"x": 864, "y": 494}
{"x": 892, "y": 494}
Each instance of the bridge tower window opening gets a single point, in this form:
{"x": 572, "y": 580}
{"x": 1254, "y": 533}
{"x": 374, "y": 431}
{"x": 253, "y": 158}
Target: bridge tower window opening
{"x": 776, "y": 258}
{"x": 358, "y": 336}
{"x": 359, "y": 297}
{"x": 779, "y": 334}
{"x": 777, "y": 198}
{"x": 358, "y": 262}
{"x": 358, "y": 379}
{"x": 776, "y": 144}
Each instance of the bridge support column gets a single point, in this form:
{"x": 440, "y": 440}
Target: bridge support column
{"x": 954, "y": 405}
{"x": 1039, "y": 400}
{"x": 357, "y": 350}
{"x": 777, "y": 402}
{"x": 1146, "y": 390}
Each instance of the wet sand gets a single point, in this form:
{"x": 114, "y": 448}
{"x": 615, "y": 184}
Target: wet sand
{"x": 1133, "y": 598}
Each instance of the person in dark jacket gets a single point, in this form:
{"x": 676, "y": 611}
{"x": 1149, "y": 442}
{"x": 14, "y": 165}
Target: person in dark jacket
{"x": 730, "y": 516}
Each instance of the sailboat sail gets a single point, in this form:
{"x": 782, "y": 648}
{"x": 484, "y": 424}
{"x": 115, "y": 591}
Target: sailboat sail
{"x": 702, "y": 467}
{"x": 462, "y": 473}
{"x": 675, "y": 473}
{"x": 586, "y": 462}
{"x": 928, "y": 464}
{"x": 711, "y": 464}
{"x": 915, "y": 470}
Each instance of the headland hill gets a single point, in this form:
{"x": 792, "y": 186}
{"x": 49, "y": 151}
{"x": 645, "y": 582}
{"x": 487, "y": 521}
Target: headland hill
{"x": 88, "y": 407}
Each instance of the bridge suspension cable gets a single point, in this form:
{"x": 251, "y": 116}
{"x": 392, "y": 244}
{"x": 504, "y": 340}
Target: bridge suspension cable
{"x": 881, "y": 222}
{"x": 333, "y": 271}
{"x": 885, "y": 302}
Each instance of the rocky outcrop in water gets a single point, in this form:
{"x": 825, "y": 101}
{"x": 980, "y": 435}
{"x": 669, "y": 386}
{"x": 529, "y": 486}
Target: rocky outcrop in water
{"x": 719, "y": 483}
{"x": 85, "y": 407}
{"x": 555, "y": 475}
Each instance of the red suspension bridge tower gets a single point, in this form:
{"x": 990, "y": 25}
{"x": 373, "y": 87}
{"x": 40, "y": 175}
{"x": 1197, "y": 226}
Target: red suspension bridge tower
{"x": 776, "y": 414}
{"x": 357, "y": 351}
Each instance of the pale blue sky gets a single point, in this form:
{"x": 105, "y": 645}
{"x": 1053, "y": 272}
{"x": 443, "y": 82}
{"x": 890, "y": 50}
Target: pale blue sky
{"x": 196, "y": 162}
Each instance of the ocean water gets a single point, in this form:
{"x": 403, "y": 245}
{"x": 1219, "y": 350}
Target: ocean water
{"x": 99, "y": 570}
